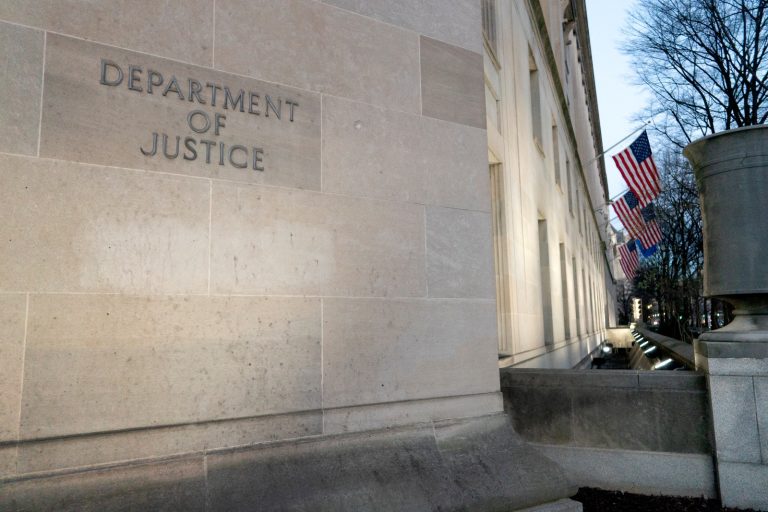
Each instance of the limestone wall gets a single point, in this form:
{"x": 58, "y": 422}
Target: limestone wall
{"x": 314, "y": 258}
{"x": 555, "y": 275}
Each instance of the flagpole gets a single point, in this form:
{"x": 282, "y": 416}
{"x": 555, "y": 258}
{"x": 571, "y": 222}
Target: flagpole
{"x": 644, "y": 125}
{"x": 622, "y": 140}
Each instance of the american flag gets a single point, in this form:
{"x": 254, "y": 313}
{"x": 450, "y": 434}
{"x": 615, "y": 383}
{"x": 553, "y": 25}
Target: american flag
{"x": 646, "y": 253}
{"x": 651, "y": 236}
{"x": 638, "y": 169}
{"x": 629, "y": 259}
{"x": 628, "y": 210}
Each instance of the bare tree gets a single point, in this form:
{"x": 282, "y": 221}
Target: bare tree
{"x": 672, "y": 277}
{"x": 624, "y": 294}
{"x": 704, "y": 62}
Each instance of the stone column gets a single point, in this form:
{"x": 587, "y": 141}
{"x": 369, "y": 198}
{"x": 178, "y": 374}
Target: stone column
{"x": 732, "y": 173}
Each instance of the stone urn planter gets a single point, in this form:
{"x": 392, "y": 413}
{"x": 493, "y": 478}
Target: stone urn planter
{"x": 731, "y": 170}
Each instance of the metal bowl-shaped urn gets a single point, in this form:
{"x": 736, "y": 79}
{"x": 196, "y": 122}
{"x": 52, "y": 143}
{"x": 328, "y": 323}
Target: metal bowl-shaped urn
{"x": 731, "y": 171}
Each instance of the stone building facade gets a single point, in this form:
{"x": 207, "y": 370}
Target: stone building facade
{"x": 232, "y": 223}
{"x": 554, "y": 278}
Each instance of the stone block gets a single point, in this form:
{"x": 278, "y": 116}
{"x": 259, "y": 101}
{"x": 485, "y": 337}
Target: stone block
{"x": 734, "y": 352}
{"x": 116, "y": 447}
{"x": 378, "y": 350}
{"x": 734, "y": 416}
{"x": 541, "y": 415}
{"x": 643, "y": 472}
{"x": 744, "y": 366}
{"x": 21, "y": 76}
{"x": 321, "y": 48}
{"x": 463, "y": 465}
{"x": 484, "y": 455}
{"x": 12, "y": 325}
{"x": 179, "y": 29}
{"x": 271, "y": 241}
{"x": 75, "y": 228}
{"x": 98, "y": 363}
{"x": 165, "y": 486}
{"x": 456, "y": 25}
{"x": 459, "y": 254}
{"x": 87, "y": 121}
{"x": 373, "y": 152}
{"x": 614, "y": 419}
{"x": 8, "y": 455}
{"x": 683, "y": 423}
{"x": 452, "y": 87}
{"x": 388, "y": 415}
{"x": 568, "y": 379}
{"x": 761, "y": 401}
{"x": 682, "y": 381}
{"x": 468, "y": 464}
{"x": 743, "y": 486}
{"x": 395, "y": 472}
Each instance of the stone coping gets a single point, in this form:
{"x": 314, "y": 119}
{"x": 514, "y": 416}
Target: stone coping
{"x": 732, "y": 350}
{"x": 676, "y": 349}
{"x": 639, "y": 379}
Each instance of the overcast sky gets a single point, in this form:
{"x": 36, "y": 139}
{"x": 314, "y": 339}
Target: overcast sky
{"x": 618, "y": 100}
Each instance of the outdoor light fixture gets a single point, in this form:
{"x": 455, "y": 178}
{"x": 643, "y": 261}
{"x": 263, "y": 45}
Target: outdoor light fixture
{"x": 646, "y": 352}
{"x": 662, "y": 364}
{"x": 606, "y": 349}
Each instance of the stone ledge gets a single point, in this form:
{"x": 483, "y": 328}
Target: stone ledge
{"x": 743, "y": 485}
{"x": 556, "y": 506}
{"x": 476, "y": 464}
{"x": 732, "y": 350}
{"x": 674, "y": 474}
{"x": 676, "y": 349}
{"x": 637, "y": 379}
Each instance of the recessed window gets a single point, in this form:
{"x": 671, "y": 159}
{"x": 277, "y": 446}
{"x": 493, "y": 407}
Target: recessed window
{"x": 490, "y": 33}
{"x": 570, "y": 185}
{"x": 556, "y": 153}
{"x": 535, "y": 95}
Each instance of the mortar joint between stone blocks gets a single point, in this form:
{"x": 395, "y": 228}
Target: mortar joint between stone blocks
{"x": 42, "y": 89}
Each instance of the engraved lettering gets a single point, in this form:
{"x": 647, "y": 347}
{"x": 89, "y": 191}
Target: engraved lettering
{"x": 165, "y": 147}
{"x": 105, "y": 80}
{"x": 134, "y": 77}
{"x": 218, "y": 122}
{"x": 293, "y": 105}
{"x": 154, "y": 146}
{"x": 253, "y": 101}
{"x": 173, "y": 86}
{"x": 213, "y": 88}
{"x": 195, "y": 88}
{"x": 271, "y": 105}
{"x": 189, "y": 143}
{"x": 151, "y": 82}
{"x": 257, "y": 159}
{"x": 206, "y": 121}
{"x": 207, "y": 144}
{"x": 233, "y": 102}
{"x": 190, "y": 148}
{"x": 245, "y": 153}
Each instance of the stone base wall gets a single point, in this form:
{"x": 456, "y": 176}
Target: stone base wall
{"x": 737, "y": 377}
{"x": 477, "y": 464}
{"x": 634, "y": 431}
